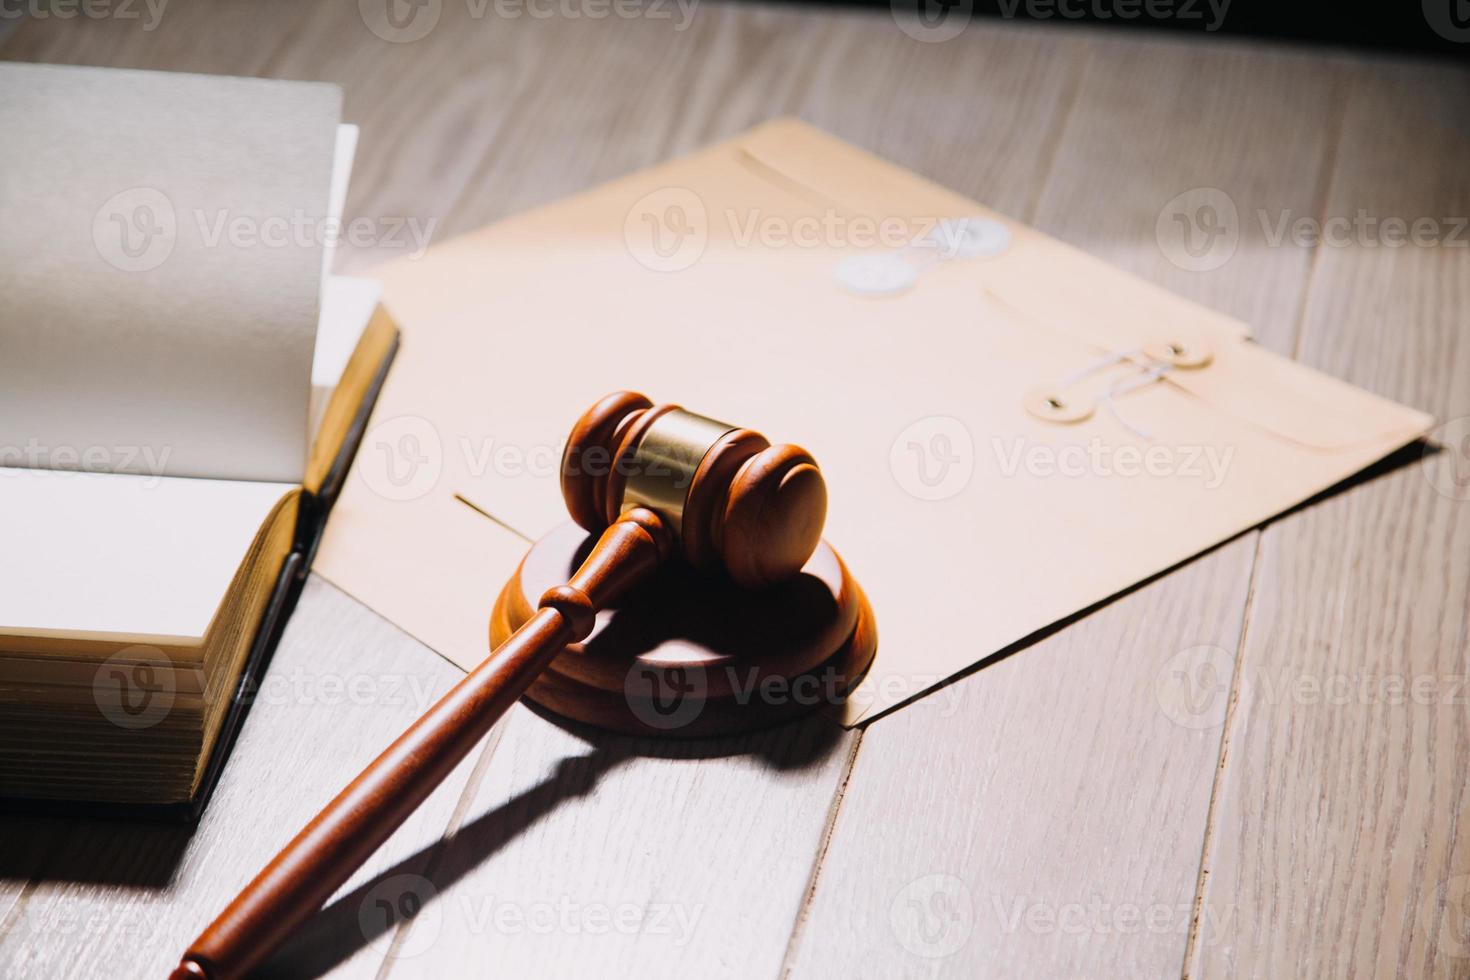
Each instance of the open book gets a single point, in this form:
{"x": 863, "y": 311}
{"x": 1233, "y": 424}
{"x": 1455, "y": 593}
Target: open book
{"x": 180, "y": 384}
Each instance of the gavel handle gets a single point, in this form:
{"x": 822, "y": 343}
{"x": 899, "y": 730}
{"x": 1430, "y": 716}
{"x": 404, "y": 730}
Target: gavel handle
{"x": 301, "y": 878}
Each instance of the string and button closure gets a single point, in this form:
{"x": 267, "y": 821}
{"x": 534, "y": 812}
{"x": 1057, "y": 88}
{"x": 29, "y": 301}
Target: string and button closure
{"x": 1063, "y": 405}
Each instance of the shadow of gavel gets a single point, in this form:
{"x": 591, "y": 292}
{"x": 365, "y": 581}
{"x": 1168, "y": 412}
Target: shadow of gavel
{"x": 654, "y": 480}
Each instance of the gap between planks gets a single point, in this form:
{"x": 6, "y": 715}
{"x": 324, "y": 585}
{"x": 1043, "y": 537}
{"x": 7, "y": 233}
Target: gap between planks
{"x": 456, "y": 820}
{"x": 1072, "y": 91}
{"x": 1325, "y": 176}
{"x": 1206, "y": 845}
{"x": 793, "y": 944}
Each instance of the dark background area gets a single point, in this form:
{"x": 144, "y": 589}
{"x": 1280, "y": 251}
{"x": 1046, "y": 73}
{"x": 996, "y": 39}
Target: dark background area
{"x": 1441, "y": 27}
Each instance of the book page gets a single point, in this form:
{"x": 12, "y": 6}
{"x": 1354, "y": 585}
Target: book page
{"x": 347, "y": 305}
{"x": 102, "y": 555}
{"x": 161, "y": 255}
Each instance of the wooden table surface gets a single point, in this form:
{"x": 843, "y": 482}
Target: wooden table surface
{"x": 1306, "y": 812}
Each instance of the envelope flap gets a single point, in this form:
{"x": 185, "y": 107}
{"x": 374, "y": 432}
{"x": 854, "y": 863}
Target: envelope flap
{"x": 913, "y": 401}
{"x": 829, "y": 172}
{"x": 1117, "y": 314}
{"x": 1083, "y": 297}
{"x": 1294, "y": 402}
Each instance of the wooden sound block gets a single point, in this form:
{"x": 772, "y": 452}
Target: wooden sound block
{"x": 691, "y": 655}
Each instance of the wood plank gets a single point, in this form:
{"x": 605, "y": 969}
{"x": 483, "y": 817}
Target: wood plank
{"x": 475, "y": 112}
{"x": 239, "y": 39}
{"x": 485, "y": 117}
{"x": 1159, "y": 119}
{"x": 1339, "y": 846}
{"x": 213, "y": 38}
{"x": 125, "y": 899}
{"x": 470, "y": 103}
{"x": 584, "y": 856}
{"x": 617, "y": 847}
{"x": 1045, "y": 818}
{"x": 16, "y": 869}
{"x": 1063, "y": 805}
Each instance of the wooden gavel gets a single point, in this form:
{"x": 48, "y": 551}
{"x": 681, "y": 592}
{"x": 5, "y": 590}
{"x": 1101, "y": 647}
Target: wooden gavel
{"x": 651, "y": 478}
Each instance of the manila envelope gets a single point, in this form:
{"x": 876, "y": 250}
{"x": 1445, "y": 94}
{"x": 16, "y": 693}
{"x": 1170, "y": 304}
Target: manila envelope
{"x": 1011, "y": 430}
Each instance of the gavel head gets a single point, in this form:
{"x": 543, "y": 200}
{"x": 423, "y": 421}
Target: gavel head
{"x": 734, "y": 500}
